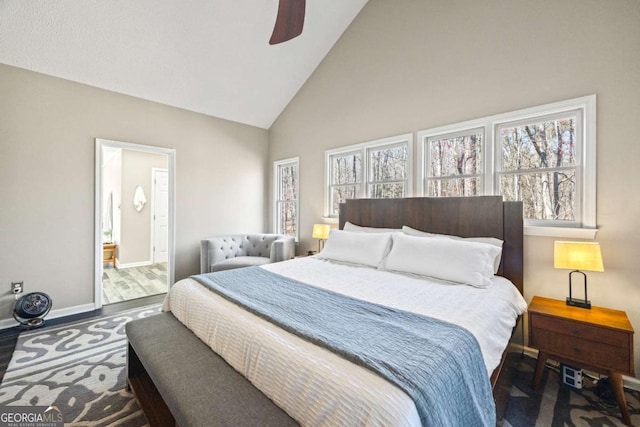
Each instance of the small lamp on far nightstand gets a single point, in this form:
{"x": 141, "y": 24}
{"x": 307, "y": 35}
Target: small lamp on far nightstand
{"x": 578, "y": 256}
{"x": 321, "y": 232}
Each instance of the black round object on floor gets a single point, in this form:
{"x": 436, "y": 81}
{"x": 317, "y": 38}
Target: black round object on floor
{"x": 31, "y": 308}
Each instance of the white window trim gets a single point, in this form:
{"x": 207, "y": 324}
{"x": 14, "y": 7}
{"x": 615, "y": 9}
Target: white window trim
{"x": 449, "y": 131}
{"x": 587, "y": 153}
{"x": 579, "y": 168}
{"x": 363, "y": 148}
{"x": 276, "y": 182}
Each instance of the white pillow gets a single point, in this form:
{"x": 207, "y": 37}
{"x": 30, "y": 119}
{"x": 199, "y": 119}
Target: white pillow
{"x": 352, "y": 227}
{"x": 488, "y": 240}
{"x": 356, "y": 247}
{"x": 459, "y": 261}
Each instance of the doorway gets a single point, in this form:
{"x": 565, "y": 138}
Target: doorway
{"x": 134, "y": 221}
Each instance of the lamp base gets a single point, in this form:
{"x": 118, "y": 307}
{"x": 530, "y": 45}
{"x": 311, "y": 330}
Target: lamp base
{"x": 579, "y": 303}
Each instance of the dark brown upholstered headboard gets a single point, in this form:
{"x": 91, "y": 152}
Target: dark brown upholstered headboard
{"x": 483, "y": 216}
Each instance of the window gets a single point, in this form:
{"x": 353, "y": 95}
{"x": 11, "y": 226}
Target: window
{"x": 539, "y": 166}
{"x": 346, "y": 178}
{"x": 455, "y": 164}
{"x": 376, "y": 169}
{"x": 542, "y": 156}
{"x": 388, "y": 171}
{"x": 286, "y": 196}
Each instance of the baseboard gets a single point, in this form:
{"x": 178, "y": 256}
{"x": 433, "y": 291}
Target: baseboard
{"x": 134, "y": 264}
{"x": 53, "y": 314}
{"x": 632, "y": 383}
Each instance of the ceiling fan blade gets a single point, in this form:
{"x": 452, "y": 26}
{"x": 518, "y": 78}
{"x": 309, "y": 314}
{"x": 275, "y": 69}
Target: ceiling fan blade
{"x": 289, "y": 21}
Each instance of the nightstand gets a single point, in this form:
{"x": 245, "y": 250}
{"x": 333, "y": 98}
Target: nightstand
{"x": 600, "y": 340}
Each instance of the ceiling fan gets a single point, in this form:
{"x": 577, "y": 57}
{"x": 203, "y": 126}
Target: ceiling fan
{"x": 289, "y": 21}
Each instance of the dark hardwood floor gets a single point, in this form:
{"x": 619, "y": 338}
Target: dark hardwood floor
{"x": 9, "y": 336}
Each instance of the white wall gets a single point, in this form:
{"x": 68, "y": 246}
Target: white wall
{"x": 112, "y": 187}
{"x": 48, "y": 128}
{"x": 408, "y": 65}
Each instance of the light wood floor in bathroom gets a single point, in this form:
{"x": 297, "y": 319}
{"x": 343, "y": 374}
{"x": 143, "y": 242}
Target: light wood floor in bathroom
{"x": 123, "y": 284}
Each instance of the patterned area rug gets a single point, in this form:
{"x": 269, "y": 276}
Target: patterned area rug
{"x": 556, "y": 404}
{"x": 80, "y": 368}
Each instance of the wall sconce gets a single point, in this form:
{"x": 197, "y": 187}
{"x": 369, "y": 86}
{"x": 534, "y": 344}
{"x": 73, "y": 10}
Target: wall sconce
{"x": 321, "y": 232}
{"x": 578, "y": 256}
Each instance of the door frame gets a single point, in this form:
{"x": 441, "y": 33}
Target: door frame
{"x": 99, "y": 208}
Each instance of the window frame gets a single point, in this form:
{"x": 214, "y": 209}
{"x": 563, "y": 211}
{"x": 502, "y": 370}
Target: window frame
{"x": 585, "y": 225}
{"x": 425, "y": 157}
{"x": 365, "y": 181}
{"x": 277, "y": 165}
{"x": 578, "y": 207}
{"x": 329, "y": 176}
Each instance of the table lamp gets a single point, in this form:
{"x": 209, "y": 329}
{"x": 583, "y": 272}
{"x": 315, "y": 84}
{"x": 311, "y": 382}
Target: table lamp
{"x": 578, "y": 256}
{"x": 321, "y": 232}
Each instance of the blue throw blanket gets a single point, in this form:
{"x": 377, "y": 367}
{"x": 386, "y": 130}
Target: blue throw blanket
{"x": 438, "y": 364}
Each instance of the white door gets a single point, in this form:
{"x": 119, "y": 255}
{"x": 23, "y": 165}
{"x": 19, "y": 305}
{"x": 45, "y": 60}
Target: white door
{"x": 160, "y": 215}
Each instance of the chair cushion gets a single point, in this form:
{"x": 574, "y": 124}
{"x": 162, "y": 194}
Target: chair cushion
{"x": 239, "y": 262}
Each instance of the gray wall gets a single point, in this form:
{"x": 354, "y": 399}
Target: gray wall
{"x": 408, "y": 65}
{"x": 47, "y": 149}
{"x": 135, "y": 236}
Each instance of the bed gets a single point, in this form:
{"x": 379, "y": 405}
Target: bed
{"x": 320, "y": 386}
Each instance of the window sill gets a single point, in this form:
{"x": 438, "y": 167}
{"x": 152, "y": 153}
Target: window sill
{"x": 330, "y": 220}
{"x": 565, "y": 232}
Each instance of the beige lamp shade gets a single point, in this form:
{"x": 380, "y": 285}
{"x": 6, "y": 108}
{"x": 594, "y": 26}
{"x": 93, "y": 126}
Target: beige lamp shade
{"x": 321, "y": 231}
{"x": 578, "y": 256}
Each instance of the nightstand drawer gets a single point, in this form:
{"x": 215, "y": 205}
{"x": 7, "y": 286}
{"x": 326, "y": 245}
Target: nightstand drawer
{"x": 580, "y": 330}
{"x": 582, "y": 350}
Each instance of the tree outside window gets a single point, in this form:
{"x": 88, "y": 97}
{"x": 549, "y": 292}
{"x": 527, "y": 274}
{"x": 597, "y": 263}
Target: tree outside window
{"x": 455, "y": 164}
{"x": 346, "y": 179}
{"x": 286, "y": 194}
{"x": 375, "y": 169}
{"x": 388, "y": 172}
{"x": 539, "y": 167}
{"x": 543, "y": 156}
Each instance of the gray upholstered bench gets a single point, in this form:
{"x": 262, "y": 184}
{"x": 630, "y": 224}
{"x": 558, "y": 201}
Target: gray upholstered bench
{"x": 179, "y": 380}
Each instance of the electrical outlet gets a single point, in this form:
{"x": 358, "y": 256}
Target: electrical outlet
{"x": 17, "y": 287}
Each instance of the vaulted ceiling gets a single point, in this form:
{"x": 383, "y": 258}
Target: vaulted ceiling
{"x": 208, "y": 56}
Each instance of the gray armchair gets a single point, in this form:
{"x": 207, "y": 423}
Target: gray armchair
{"x": 244, "y": 250}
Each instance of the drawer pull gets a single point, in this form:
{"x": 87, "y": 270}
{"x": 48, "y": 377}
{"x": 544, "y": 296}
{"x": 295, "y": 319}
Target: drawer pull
{"x": 575, "y": 331}
{"x": 577, "y": 350}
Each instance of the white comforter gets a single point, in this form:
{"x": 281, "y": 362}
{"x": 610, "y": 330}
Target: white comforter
{"x": 317, "y": 387}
